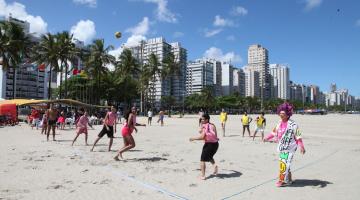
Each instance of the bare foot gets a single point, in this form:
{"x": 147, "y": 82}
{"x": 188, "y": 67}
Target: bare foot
{"x": 116, "y": 158}
{"x": 92, "y": 149}
{"x": 202, "y": 178}
{"x": 121, "y": 156}
{"x": 215, "y": 170}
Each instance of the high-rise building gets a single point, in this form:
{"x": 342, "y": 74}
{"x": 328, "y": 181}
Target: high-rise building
{"x": 314, "y": 94}
{"x": 239, "y": 82}
{"x": 252, "y": 86}
{"x": 173, "y": 85}
{"x": 25, "y": 80}
{"x": 258, "y": 60}
{"x": 199, "y": 75}
{"x": 217, "y": 76}
{"x": 227, "y": 78}
{"x": 333, "y": 87}
{"x": 280, "y": 81}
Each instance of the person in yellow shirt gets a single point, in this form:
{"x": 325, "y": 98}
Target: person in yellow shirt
{"x": 223, "y": 119}
{"x": 260, "y": 125}
{"x": 246, "y": 120}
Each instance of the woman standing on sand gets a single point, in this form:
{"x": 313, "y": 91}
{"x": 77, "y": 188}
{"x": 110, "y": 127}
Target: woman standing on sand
{"x": 81, "y": 125}
{"x": 209, "y": 135}
{"x": 127, "y": 130}
{"x": 289, "y": 136}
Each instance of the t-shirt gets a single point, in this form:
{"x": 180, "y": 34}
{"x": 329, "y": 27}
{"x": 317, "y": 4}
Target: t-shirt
{"x": 260, "y": 121}
{"x": 223, "y": 116}
{"x": 83, "y": 122}
{"x": 111, "y": 119}
{"x": 245, "y": 119}
{"x": 210, "y": 135}
{"x": 150, "y": 114}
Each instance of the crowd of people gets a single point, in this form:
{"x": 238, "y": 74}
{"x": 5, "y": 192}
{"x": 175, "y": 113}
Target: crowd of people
{"x": 286, "y": 133}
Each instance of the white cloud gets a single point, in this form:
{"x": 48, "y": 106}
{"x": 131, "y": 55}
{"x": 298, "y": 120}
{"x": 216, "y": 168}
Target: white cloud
{"x": 134, "y": 40}
{"x": 310, "y": 4}
{"x": 357, "y": 23}
{"x": 178, "y": 34}
{"x": 222, "y": 22}
{"x": 90, "y": 3}
{"x": 162, "y": 12}
{"x": 217, "y": 54}
{"x": 210, "y": 33}
{"x": 231, "y": 38}
{"x": 141, "y": 28}
{"x": 239, "y": 11}
{"x": 37, "y": 24}
{"x": 84, "y": 30}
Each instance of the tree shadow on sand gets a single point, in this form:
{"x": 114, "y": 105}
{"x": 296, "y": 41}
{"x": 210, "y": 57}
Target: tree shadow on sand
{"x": 306, "y": 182}
{"x": 232, "y": 174}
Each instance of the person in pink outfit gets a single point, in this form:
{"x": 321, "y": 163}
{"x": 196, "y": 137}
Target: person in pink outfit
{"x": 126, "y": 132}
{"x": 289, "y": 138}
{"x": 81, "y": 125}
{"x": 208, "y": 133}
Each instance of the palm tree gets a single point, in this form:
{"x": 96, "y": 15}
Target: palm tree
{"x": 170, "y": 69}
{"x": 97, "y": 59}
{"x": 47, "y": 52}
{"x": 14, "y": 47}
{"x": 153, "y": 66}
{"x": 128, "y": 65}
{"x": 68, "y": 54}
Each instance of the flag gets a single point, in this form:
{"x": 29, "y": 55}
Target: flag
{"x": 41, "y": 67}
{"x": 75, "y": 72}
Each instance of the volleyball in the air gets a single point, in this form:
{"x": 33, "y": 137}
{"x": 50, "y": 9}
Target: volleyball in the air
{"x": 118, "y": 35}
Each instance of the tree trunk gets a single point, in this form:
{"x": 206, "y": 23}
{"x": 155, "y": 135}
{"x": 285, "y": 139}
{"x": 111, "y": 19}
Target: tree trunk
{"x": 49, "y": 92}
{"x": 66, "y": 71}
{"x": 61, "y": 78}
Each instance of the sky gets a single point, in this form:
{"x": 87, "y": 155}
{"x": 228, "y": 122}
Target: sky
{"x": 318, "y": 39}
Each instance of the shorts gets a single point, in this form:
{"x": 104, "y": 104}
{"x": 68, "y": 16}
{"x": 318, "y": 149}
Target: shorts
{"x": 82, "y": 130}
{"x": 245, "y": 126}
{"x": 109, "y": 133}
{"x": 125, "y": 131}
{"x": 51, "y": 122}
{"x": 259, "y": 129}
{"x": 149, "y": 118}
{"x": 208, "y": 151}
{"x": 35, "y": 121}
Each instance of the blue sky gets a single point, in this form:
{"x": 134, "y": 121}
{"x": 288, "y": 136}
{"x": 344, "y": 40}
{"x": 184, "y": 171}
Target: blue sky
{"x": 319, "y": 39}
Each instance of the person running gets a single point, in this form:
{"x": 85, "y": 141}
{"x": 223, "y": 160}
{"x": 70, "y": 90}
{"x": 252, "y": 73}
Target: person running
{"x": 82, "y": 127}
{"x": 201, "y": 113}
{"x": 108, "y": 128}
{"x": 126, "y": 132}
{"x": 260, "y": 125}
{"x": 289, "y": 135}
{"x": 150, "y": 116}
{"x": 209, "y": 135}
{"x": 52, "y": 115}
{"x": 44, "y": 123}
{"x": 246, "y": 120}
{"x": 223, "y": 119}
{"x": 161, "y": 117}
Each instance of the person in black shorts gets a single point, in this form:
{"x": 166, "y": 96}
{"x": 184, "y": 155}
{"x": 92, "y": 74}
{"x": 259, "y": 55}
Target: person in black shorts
{"x": 109, "y": 127}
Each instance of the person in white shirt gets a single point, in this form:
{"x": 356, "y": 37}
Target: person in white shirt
{"x": 150, "y": 115}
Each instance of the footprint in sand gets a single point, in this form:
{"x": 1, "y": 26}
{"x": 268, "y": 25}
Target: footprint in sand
{"x": 54, "y": 187}
{"x": 192, "y": 185}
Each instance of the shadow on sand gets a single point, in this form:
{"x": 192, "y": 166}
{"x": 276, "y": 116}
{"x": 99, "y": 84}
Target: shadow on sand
{"x": 232, "y": 136}
{"x": 232, "y": 174}
{"x": 150, "y": 159}
{"x": 306, "y": 182}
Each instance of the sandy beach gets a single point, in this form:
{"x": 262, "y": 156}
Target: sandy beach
{"x": 165, "y": 165}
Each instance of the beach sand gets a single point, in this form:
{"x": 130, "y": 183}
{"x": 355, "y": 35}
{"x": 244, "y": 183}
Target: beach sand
{"x": 165, "y": 165}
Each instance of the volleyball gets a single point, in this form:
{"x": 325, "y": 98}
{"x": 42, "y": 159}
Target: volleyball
{"x": 118, "y": 35}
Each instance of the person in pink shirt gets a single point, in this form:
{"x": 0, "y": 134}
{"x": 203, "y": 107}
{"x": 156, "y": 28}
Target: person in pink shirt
{"x": 126, "y": 132}
{"x": 82, "y": 127}
{"x": 109, "y": 127}
{"x": 209, "y": 135}
{"x": 289, "y": 138}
